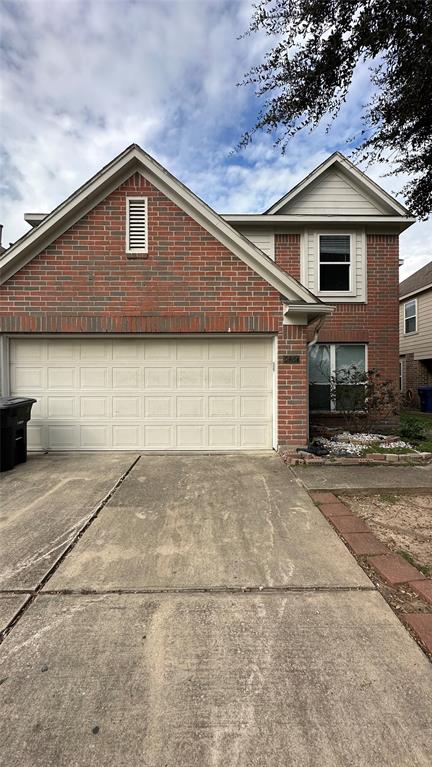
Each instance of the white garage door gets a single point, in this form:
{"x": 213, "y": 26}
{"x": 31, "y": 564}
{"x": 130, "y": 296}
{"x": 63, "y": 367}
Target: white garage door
{"x": 146, "y": 393}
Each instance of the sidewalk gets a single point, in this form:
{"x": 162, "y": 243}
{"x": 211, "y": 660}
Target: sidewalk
{"x": 400, "y": 479}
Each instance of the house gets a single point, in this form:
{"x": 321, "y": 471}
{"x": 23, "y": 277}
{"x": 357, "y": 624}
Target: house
{"x": 141, "y": 319}
{"x": 415, "y": 332}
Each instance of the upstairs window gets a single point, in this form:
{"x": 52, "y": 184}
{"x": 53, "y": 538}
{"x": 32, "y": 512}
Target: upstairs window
{"x": 334, "y": 263}
{"x": 410, "y": 316}
{"x": 136, "y": 225}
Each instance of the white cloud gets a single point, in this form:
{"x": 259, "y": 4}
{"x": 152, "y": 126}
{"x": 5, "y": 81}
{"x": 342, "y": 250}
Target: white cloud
{"x": 83, "y": 79}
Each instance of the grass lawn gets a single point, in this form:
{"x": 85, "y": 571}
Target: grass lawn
{"x": 424, "y": 444}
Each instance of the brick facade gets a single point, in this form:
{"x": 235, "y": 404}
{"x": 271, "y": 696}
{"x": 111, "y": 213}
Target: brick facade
{"x": 190, "y": 283}
{"x": 415, "y": 373}
{"x": 187, "y": 283}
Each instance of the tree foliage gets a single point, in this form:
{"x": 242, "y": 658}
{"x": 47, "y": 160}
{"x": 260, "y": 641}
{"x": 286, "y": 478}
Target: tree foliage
{"x": 307, "y": 74}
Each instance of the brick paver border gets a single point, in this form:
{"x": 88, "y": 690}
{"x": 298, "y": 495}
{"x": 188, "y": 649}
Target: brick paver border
{"x": 390, "y": 567}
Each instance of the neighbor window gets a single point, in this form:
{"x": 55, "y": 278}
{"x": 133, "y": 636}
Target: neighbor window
{"x": 136, "y": 225}
{"x": 410, "y": 316}
{"x": 336, "y": 374}
{"x": 334, "y": 263}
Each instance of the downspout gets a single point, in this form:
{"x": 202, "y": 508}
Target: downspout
{"x": 317, "y": 330}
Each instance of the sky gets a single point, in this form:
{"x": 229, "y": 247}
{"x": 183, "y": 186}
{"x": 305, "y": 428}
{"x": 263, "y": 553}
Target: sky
{"x": 83, "y": 80}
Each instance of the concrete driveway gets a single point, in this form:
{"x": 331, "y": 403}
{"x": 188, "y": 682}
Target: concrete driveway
{"x": 194, "y": 610}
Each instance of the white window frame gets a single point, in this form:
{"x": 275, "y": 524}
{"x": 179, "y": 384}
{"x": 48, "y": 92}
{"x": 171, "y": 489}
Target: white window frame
{"x": 333, "y": 371}
{"x": 133, "y": 251}
{"x": 338, "y": 293}
{"x": 415, "y": 316}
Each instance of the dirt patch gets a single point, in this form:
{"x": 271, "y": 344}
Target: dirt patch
{"x": 402, "y": 522}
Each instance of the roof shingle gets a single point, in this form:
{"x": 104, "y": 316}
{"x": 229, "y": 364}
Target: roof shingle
{"x": 417, "y": 281}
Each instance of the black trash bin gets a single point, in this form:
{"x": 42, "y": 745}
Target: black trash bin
{"x": 14, "y": 414}
{"x": 425, "y": 394}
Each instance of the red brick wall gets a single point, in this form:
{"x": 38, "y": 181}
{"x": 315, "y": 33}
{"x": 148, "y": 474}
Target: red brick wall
{"x": 188, "y": 282}
{"x": 377, "y": 322}
{"x": 417, "y": 373}
{"x": 287, "y": 253}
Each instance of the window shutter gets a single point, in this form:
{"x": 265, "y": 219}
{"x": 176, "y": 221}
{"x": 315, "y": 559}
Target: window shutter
{"x": 136, "y": 230}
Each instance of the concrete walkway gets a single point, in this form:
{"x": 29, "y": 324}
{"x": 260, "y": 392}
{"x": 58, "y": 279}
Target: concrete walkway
{"x": 226, "y": 623}
{"x": 379, "y": 478}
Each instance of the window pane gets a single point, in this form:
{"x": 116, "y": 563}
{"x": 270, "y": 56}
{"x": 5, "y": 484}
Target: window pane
{"x": 319, "y": 363}
{"x": 350, "y": 360}
{"x": 410, "y": 309}
{"x": 319, "y": 397}
{"x": 410, "y": 325}
{"x": 350, "y": 397}
{"x": 335, "y": 277}
{"x": 335, "y": 247}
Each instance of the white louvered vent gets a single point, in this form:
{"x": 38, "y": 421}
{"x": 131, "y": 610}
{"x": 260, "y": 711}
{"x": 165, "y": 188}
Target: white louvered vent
{"x": 136, "y": 225}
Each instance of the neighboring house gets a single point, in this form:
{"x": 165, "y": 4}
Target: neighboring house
{"x": 141, "y": 319}
{"x": 415, "y": 335}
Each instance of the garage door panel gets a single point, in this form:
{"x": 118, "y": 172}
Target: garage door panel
{"x": 59, "y": 407}
{"x": 62, "y": 437}
{"x": 159, "y": 349}
{"x": 223, "y": 378}
{"x": 192, "y": 349}
{"x": 190, "y": 436}
{"x": 56, "y": 352}
{"x": 141, "y": 393}
{"x": 127, "y": 436}
{"x": 159, "y": 407}
{"x": 159, "y": 436}
{"x": 255, "y": 378}
{"x": 127, "y": 378}
{"x": 190, "y": 407}
{"x": 100, "y": 351}
{"x": 158, "y": 378}
{"x": 27, "y": 351}
{"x": 127, "y": 407}
{"x": 127, "y": 350}
{"x": 28, "y": 379}
{"x": 94, "y": 378}
{"x": 255, "y": 407}
{"x": 253, "y": 435}
{"x": 222, "y": 436}
{"x": 95, "y": 436}
{"x": 62, "y": 378}
{"x": 94, "y": 407}
{"x": 190, "y": 378}
{"x": 254, "y": 349}
{"x": 222, "y": 407}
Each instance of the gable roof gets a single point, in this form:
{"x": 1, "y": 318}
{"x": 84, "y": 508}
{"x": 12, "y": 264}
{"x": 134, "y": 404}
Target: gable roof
{"x": 131, "y": 160}
{"x": 420, "y": 280}
{"x": 370, "y": 190}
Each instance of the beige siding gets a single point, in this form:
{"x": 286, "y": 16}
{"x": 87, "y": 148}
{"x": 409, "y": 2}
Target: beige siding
{"x": 419, "y": 343}
{"x": 263, "y": 240}
{"x": 332, "y": 194}
{"x": 310, "y": 264}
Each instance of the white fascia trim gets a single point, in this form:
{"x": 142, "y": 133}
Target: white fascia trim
{"x": 415, "y": 292}
{"x": 132, "y": 160}
{"x": 285, "y": 218}
{"x": 302, "y": 314}
{"x": 350, "y": 169}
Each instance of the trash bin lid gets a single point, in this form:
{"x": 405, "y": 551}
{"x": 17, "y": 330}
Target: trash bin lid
{"x": 9, "y": 402}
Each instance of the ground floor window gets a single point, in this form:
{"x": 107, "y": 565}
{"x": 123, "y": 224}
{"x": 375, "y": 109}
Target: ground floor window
{"x": 336, "y": 377}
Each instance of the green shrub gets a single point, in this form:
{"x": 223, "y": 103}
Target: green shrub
{"x": 412, "y": 428}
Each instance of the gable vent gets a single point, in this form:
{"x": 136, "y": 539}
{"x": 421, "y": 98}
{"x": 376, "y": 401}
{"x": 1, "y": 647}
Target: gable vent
{"x": 136, "y": 225}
